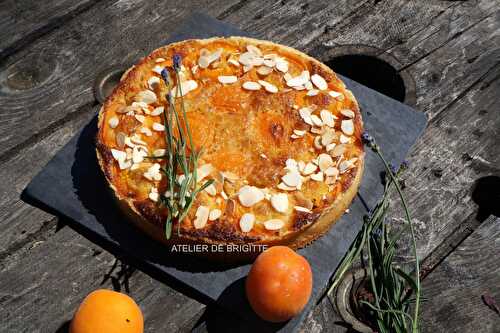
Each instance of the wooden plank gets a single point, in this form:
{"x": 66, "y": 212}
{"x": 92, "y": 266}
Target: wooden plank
{"x": 455, "y": 288}
{"x": 40, "y": 291}
{"x": 22, "y": 22}
{"x": 459, "y": 146}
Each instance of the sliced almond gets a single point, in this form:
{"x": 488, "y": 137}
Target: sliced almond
{"x": 317, "y": 142}
{"x": 281, "y": 65}
{"x": 140, "y": 118}
{"x": 348, "y": 113}
{"x": 338, "y": 150}
{"x": 299, "y": 132}
{"x": 324, "y": 161}
{"x": 302, "y": 209}
{"x": 146, "y": 96}
{"x": 254, "y": 49}
{"x": 146, "y": 131}
{"x": 300, "y": 80}
{"x": 316, "y": 120}
{"x": 250, "y": 85}
{"x": 335, "y": 94}
{"x": 153, "y": 82}
{"x": 344, "y": 139}
{"x": 284, "y": 187}
{"x": 204, "y": 170}
{"x": 227, "y": 79}
{"x": 274, "y": 224}
{"x": 269, "y": 63}
{"x": 118, "y": 155}
{"x": 157, "y": 111}
{"x": 305, "y": 114}
{"x": 211, "y": 190}
{"x": 327, "y": 137}
{"x": 317, "y": 176}
{"x": 269, "y": 87}
{"x": 233, "y": 62}
{"x": 327, "y": 118}
{"x": 246, "y": 222}
{"x": 158, "y": 127}
{"x": 113, "y": 122}
{"x": 312, "y": 92}
{"x": 264, "y": 70}
{"x": 153, "y": 195}
{"x": 280, "y": 202}
{"x": 214, "y": 214}
{"x": 158, "y": 69}
{"x": 292, "y": 179}
{"x": 347, "y": 127}
{"x": 120, "y": 139}
{"x": 250, "y": 195}
{"x": 138, "y": 154}
{"x": 319, "y": 82}
{"x": 159, "y": 152}
{"x": 186, "y": 87}
{"x": 309, "y": 168}
{"x": 158, "y": 60}
{"x": 201, "y": 217}
{"x": 331, "y": 171}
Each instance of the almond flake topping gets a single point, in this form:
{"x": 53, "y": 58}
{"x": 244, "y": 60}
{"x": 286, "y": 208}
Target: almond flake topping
{"x": 334, "y": 94}
{"x": 250, "y": 195}
{"x": 246, "y": 222}
{"x": 316, "y": 120}
{"x": 227, "y": 79}
{"x": 211, "y": 190}
{"x": 157, "y": 69}
{"x": 309, "y": 168}
{"x": 292, "y": 179}
{"x": 146, "y": 96}
{"x": 327, "y": 118}
{"x": 118, "y": 155}
{"x": 302, "y": 209}
{"x": 160, "y": 60}
{"x": 331, "y": 171}
{"x": 274, "y": 224}
{"x": 344, "y": 139}
{"x": 280, "y": 202}
{"x": 300, "y": 80}
{"x": 204, "y": 170}
{"x": 346, "y": 165}
{"x": 299, "y": 132}
{"x": 138, "y": 154}
{"x": 157, "y": 111}
{"x": 158, "y": 127}
{"x": 347, "y": 127}
{"x": 348, "y": 113}
{"x": 324, "y": 161}
{"x": 207, "y": 58}
{"x": 186, "y": 87}
{"x": 153, "y": 172}
{"x": 140, "y": 118}
{"x": 214, "y": 214}
{"x": 319, "y": 82}
{"x": 281, "y": 65}
{"x": 312, "y": 92}
{"x": 153, "y": 82}
{"x": 338, "y": 150}
{"x": 305, "y": 114}
{"x": 153, "y": 195}
{"x": 201, "y": 217}
{"x": 327, "y": 137}
{"x": 159, "y": 152}
{"x": 233, "y": 62}
{"x": 268, "y": 86}
{"x": 254, "y": 49}
{"x": 113, "y": 122}
{"x": 317, "y": 176}
{"x": 264, "y": 70}
{"x": 146, "y": 131}
{"x": 250, "y": 85}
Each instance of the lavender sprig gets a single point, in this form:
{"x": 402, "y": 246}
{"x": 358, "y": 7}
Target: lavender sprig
{"x": 180, "y": 168}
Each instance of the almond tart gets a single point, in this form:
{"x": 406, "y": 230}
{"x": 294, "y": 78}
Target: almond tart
{"x": 281, "y": 137}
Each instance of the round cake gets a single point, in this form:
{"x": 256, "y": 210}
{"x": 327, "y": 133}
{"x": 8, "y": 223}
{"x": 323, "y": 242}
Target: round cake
{"x": 275, "y": 131}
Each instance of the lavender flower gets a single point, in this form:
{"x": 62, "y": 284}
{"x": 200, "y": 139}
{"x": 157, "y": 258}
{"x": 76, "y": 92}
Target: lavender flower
{"x": 177, "y": 61}
{"x": 164, "y": 75}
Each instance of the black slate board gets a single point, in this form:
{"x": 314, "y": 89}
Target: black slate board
{"x": 72, "y": 187}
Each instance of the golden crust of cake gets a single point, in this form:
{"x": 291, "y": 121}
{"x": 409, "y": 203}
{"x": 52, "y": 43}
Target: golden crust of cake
{"x": 281, "y": 137}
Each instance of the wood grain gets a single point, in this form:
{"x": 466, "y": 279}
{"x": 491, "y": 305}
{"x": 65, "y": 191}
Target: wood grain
{"x": 23, "y": 21}
{"x": 51, "y": 53}
{"x": 455, "y": 288}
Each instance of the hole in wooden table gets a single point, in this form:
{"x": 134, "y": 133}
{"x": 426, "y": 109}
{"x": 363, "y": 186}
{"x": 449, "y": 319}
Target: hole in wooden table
{"x": 371, "y": 72}
{"x": 371, "y": 67}
{"x": 486, "y": 194}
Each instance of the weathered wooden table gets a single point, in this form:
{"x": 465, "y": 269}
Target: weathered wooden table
{"x": 447, "y": 54}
